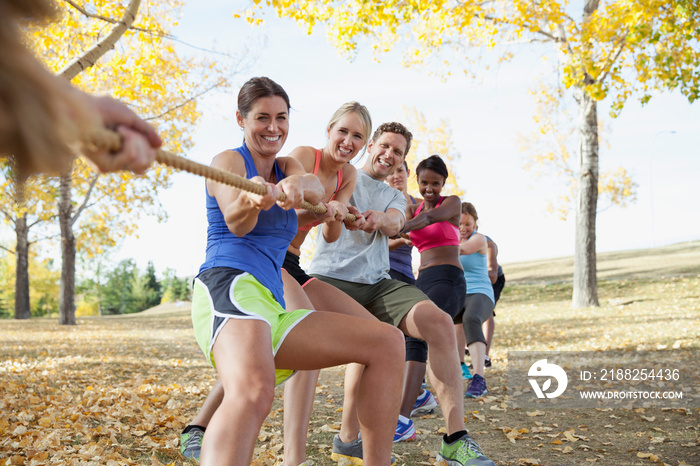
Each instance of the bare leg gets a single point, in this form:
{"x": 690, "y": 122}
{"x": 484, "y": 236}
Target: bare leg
{"x": 488, "y": 327}
{"x": 428, "y": 322}
{"x": 210, "y": 404}
{"x": 326, "y": 339}
{"x": 413, "y": 379}
{"x": 328, "y": 298}
{"x": 247, "y": 372}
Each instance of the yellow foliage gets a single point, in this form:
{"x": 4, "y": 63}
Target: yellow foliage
{"x": 429, "y": 140}
{"x": 618, "y": 49}
{"x": 84, "y": 308}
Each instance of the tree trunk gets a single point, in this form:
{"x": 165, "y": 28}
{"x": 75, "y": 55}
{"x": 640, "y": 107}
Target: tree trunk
{"x": 66, "y": 311}
{"x": 585, "y": 281}
{"x": 22, "y": 309}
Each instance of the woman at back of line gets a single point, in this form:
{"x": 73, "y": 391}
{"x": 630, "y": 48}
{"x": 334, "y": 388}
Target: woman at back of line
{"x": 479, "y": 303}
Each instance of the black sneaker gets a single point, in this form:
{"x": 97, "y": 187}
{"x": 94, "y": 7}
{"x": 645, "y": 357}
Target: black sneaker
{"x": 487, "y": 361}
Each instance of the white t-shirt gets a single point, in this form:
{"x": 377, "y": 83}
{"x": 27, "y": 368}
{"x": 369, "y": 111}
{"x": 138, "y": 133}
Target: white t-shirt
{"x": 358, "y": 256}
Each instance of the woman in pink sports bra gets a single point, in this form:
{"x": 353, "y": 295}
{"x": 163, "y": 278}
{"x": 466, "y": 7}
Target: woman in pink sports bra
{"x": 433, "y": 226}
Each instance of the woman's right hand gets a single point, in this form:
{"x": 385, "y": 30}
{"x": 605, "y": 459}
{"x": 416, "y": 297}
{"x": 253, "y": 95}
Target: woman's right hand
{"x": 266, "y": 201}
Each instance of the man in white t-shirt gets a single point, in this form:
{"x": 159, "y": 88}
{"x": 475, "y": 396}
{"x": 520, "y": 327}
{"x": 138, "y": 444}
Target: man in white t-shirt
{"x": 358, "y": 264}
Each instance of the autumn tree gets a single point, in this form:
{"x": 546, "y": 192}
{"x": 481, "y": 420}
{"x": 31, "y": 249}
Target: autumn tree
{"x": 608, "y": 50}
{"x": 126, "y": 50}
{"x": 28, "y": 208}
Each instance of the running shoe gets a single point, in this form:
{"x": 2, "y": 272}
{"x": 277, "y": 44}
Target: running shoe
{"x": 487, "y": 361}
{"x": 477, "y": 388}
{"x": 352, "y": 451}
{"x": 405, "y": 430}
{"x": 191, "y": 442}
{"x": 425, "y": 404}
{"x": 463, "y": 452}
{"x": 466, "y": 375}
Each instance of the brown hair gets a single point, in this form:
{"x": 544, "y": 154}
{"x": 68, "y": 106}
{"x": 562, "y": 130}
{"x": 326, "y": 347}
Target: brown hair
{"x": 468, "y": 208}
{"x": 257, "y": 88}
{"x": 396, "y": 128}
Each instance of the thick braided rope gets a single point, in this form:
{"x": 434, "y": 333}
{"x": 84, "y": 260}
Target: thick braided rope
{"x": 111, "y": 141}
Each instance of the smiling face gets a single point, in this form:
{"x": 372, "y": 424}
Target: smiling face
{"x": 466, "y": 226}
{"x": 266, "y": 125}
{"x": 399, "y": 179}
{"x": 386, "y": 154}
{"x": 430, "y": 184}
{"x": 346, "y": 138}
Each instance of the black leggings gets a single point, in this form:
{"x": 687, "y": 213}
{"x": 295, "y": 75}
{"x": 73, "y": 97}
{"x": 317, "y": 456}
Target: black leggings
{"x": 445, "y": 286}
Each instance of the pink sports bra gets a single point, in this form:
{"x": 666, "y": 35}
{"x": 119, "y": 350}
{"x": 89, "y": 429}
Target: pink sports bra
{"x": 438, "y": 234}
{"x": 338, "y": 182}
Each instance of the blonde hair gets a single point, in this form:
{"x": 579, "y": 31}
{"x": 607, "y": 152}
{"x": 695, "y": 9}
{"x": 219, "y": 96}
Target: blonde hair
{"x": 357, "y": 108}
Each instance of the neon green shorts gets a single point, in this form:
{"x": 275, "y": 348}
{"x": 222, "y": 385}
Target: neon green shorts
{"x": 223, "y": 293}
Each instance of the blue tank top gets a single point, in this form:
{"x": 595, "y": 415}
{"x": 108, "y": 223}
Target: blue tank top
{"x": 401, "y": 258}
{"x": 260, "y": 252}
{"x": 476, "y": 274}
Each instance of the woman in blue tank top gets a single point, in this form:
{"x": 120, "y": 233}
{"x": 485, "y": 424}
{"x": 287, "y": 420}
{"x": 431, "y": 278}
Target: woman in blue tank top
{"x": 238, "y": 310}
{"x": 479, "y": 303}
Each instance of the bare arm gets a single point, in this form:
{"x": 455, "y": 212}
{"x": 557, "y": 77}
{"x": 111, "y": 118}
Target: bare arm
{"x": 389, "y": 223}
{"x": 492, "y": 261}
{"x": 448, "y": 210}
{"x": 475, "y": 243}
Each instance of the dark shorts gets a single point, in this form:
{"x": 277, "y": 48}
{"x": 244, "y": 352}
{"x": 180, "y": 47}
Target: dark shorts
{"x": 498, "y": 287}
{"x": 401, "y": 277}
{"x": 291, "y": 265}
{"x": 445, "y": 286}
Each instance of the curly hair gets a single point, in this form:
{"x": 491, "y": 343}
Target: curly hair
{"x": 396, "y": 128}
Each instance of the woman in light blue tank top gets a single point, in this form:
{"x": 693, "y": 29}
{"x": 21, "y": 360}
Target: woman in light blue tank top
{"x": 479, "y": 302}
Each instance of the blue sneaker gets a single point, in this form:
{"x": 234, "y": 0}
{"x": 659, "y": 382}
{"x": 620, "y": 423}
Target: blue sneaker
{"x": 466, "y": 375}
{"x": 477, "y": 388}
{"x": 405, "y": 430}
{"x": 425, "y": 404}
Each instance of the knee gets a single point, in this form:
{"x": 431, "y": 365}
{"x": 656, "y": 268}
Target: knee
{"x": 256, "y": 393}
{"x": 437, "y": 324}
{"x": 394, "y": 343}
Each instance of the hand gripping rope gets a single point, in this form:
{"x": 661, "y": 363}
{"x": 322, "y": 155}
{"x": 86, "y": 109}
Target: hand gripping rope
{"x": 110, "y": 140}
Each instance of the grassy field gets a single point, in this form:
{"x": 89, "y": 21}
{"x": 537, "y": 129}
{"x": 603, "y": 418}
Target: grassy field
{"x": 118, "y": 390}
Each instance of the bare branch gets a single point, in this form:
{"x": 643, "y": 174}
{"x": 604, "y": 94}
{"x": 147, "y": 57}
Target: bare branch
{"x": 8, "y": 250}
{"x": 221, "y": 82}
{"x": 84, "y": 205}
{"x": 87, "y": 14}
{"x": 612, "y": 59}
{"x": 91, "y": 56}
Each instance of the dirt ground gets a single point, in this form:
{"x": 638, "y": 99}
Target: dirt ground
{"x": 118, "y": 390}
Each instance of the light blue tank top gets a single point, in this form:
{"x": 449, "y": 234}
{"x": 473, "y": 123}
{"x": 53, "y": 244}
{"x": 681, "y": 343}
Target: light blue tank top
{"x": 476, "y": 274}
{"x": 260, "y": 252}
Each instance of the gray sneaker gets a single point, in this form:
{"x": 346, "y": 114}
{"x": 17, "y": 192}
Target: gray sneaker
{"x": 352, "y": 451}
{"x": 191, "y": 443}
